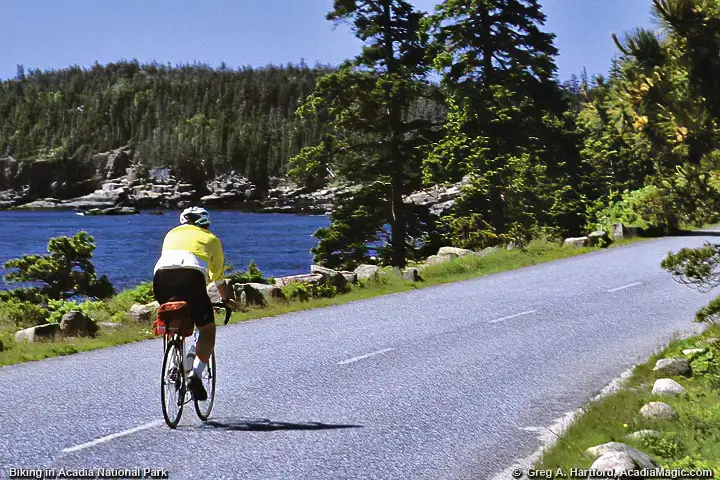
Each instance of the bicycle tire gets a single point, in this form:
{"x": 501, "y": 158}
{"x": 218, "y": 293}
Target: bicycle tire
{"x": 173, "y": 382}
{"x": 204, "y": 408}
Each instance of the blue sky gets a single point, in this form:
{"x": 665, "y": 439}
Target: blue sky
{"x": 54, "y": 34}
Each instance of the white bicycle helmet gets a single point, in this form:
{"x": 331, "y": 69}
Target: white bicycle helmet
{"x": 197, "y": 216}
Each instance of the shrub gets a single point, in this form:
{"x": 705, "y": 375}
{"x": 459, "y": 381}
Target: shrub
{"x": 306, "y": 291}
{"x": 142, "y": 294}
{"x": 65, "y": 272}
{"x": 22, "y": 314}
{"x": 647, "y": 208}
{"x": 252, "y": 275}
{"x": 471, "y": 232}
{"x": 698, "y": 268}
{"x": 58, "y": 308}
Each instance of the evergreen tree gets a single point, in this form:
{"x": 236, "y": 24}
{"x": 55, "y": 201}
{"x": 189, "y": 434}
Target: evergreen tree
{"x": 374, "y": 137}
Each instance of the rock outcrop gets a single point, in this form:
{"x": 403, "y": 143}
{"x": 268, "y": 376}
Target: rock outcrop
{"x": 76, "y": 323}
{"x": 49, "y": 331}
{"x": 673, "y": 367}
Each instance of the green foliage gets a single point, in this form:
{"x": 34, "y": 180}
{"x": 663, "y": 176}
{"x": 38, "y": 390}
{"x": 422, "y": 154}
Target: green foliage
{"x": 471, "y": 232}
{"x": 65, "y": 272}
{"x": 648, "y": 208}
{"x": 696, "y": 267}
{"x": 687, "y": 463}
{"x": 143, "y": 293}
{"x": 252, "y": 275}
{"x": 21, "y": 314}
{"x": 58, "y": 308}
{"x": 306, "y": 291}
{"x": 193, "y": 117}
{"x": 668, "y": 447}
{"x": 372, "y": 107}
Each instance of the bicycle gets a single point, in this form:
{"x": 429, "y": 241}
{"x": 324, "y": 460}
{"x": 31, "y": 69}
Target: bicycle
{"x": 174, "y": 391}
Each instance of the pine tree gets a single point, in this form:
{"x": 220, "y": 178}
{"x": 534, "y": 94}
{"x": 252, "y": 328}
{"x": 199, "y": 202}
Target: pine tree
{"x": 368, "y": 106}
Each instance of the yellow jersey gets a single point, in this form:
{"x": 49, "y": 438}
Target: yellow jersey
{"x": 188, "y": 246}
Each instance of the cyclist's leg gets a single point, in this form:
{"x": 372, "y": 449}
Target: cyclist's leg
{"x": 204, "y": 318}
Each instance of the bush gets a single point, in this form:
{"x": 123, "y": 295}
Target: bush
{"x": 649, "y": 208}
{"x": 305, "y": 291}
{"x": 22, "y": 314}
{"x": 471, "y": 232}
{"x": 58, "y": 308}
{"x": 142, "y": 294}
{"x": 252, "y": 275}
{"x": 65, "y": 272}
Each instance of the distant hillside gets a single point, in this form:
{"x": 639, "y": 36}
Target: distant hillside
{"x": 232, "y": 119}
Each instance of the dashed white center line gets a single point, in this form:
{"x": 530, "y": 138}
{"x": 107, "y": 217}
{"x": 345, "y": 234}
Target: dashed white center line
{"x": 362, "y": 357}
{"x": 113, "y": 436}
{"x": 624, "y": 287}
{"x": 521, "y": 314}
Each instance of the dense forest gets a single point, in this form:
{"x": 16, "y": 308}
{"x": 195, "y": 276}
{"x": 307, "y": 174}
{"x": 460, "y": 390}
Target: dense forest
{"x": 538, "y": 159}
{"x": 468, "y": 92}
{"x": 173, "y": 115}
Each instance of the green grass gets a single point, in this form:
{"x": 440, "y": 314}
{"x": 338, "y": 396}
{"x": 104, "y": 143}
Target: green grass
{"x": 451, "y": 271}
{"x": 691, "y": 440}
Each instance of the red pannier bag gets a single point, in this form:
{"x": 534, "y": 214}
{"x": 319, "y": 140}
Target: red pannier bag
{"x": 175, "y": 318}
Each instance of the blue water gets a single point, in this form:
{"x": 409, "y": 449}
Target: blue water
{"x": 129, "y": 246}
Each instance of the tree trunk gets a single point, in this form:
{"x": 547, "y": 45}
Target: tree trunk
{"x": 398, "y": 226}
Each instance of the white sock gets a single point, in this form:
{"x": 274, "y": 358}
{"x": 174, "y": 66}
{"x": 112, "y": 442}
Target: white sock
{"x": 198, "y": 366}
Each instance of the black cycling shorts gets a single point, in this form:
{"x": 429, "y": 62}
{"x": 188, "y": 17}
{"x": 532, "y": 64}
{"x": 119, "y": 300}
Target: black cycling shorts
{"x": 185, "y": 284}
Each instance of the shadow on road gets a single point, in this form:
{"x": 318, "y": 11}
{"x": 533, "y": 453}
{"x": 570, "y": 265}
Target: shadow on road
{"x": 265, "y": 425}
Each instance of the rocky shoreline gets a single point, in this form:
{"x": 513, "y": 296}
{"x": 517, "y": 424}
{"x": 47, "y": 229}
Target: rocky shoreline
{"x": 112, "y": 184}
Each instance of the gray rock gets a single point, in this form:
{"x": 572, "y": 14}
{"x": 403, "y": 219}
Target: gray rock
{"x": 312, "y": 278}
{"x": 637, "y": 457}
{"x": 694, "y": 351}
{"x": 257, "y": 293}
{"x": 640, "y": 434}
{"x": 75, "y": 323}
{"x": 618, "y": 232}
{"x": 612, "y": 464}
{"x": 511, "y": 246}
{"x": 667, "y": 386}
{"x": 576, "y": 242}
{"x": 412, "y": 274}
{"x": 454, "y": 252}
{"x": 49, "y": 331}
{"x": 435, "y": 259}
{"x": 673, "y": 367}
{"x": 599, "y": 237}
{"x": 334, "y": 277}
{"x": 41, "y": 204}
{"x": 712, "y": 341}
{"x": 658, "y": 411}
{"x": 488, "y": 251}
{"x": 350, "y": 277}
{"x": 367, "y": 272}
{"x": 141, "y": 313}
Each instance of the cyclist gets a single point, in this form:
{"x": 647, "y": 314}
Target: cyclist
{"x": 192, "y": 258}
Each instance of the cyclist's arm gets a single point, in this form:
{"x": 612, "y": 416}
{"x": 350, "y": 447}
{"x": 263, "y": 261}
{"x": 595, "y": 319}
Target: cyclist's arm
{"x": 216, "y": 261}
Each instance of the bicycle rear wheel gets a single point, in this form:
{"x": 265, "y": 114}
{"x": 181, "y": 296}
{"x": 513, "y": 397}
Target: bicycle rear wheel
{"x": 172, "y": 385}
{"x": 204, "y": 408}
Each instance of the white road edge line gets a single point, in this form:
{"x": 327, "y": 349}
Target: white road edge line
{"x": 113, "y": 436}
{"x": 612, "y": 290}
{"x": 521, "y": 314}
{"x": 362, "y": 357}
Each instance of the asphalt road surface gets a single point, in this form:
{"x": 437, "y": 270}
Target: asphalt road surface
{"x": 441, "y": 382}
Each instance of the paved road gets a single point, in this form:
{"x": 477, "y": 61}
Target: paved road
{"x": 435, "y": 383}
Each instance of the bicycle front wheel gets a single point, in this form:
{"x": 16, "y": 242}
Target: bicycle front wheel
{"x": 204, "y": 408}
{"x": 172, "y": 385}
